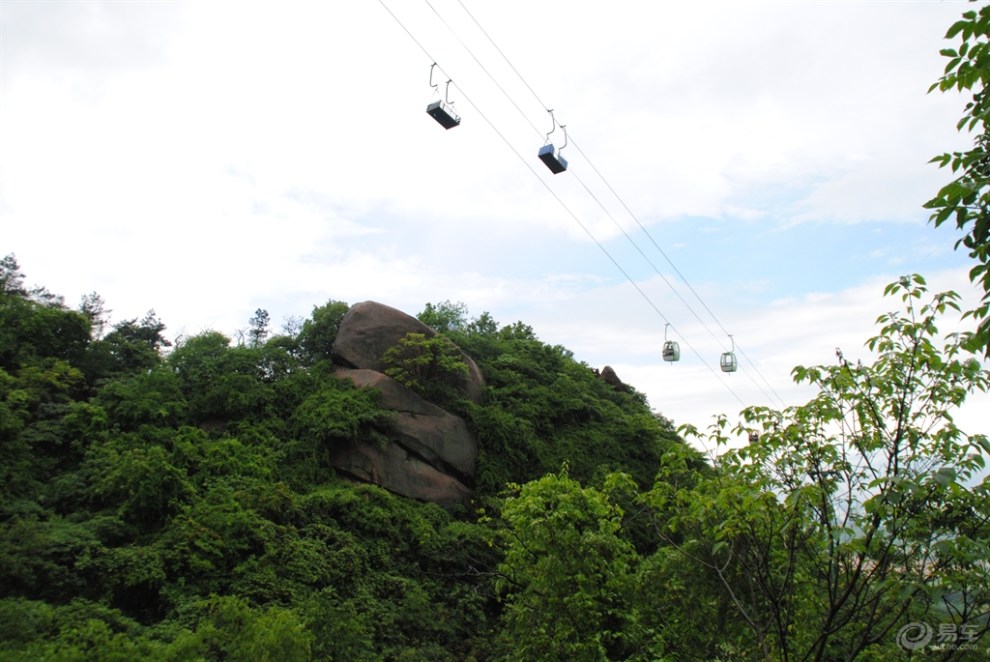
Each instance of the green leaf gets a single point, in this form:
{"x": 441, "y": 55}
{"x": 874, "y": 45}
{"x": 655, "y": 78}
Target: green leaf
{"x": 955, "y": 29}
{"x": 945, "y": 476}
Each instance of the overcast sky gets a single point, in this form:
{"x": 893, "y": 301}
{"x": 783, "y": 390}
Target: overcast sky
{"x": 206, "y": 159}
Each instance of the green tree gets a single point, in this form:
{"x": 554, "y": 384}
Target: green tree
{"x": 223, "y": 383}
{"x": 846, "y": 519}
{"x": 568, "y": 575}
{"x": 231, "y": 629}
{"x": 131, "y": 346}
{"x": 79, "y": 630}
{"x": 444, "y": 316}
{"x": 33, "y": 332}
{"x": 430, "y": 366}
{"x": 966, "y": 199}
{"x": 11, "y": 277}
{"x": 319, "y": 332}
{"x": 95, "y": 309}
{"x": 138, "y": 478}
{"x": 153, "y": 397}
{"x": 258, "y": 330}
{"x": 484, "y": 325}
{"x": 336, "y": 414}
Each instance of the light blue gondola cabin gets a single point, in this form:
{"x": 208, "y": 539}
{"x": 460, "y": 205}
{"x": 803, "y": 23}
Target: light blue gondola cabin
{"x": 671, "y": 351}
{"x": 728, "y": 362}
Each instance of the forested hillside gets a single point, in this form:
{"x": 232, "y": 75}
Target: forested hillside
{"x": 175, "y": 501}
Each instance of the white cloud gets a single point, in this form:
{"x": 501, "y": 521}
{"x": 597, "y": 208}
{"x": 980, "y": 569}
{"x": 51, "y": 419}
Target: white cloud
{"x": 610, "y": 325}
{"x": 207, "y": 159}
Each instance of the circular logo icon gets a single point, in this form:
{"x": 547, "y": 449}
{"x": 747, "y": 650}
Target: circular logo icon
{"x": 914, "y": 636}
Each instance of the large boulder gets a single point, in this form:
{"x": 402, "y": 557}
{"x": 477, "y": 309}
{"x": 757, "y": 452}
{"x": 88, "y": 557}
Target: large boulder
{"x": 370, "y": 328}
{"x": 431, "y": 454}
{"x": 398, "y": 471}
{"x": 608, "y": 376}
{"x": 422, "y": 428}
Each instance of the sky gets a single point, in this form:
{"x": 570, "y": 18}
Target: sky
{"x": 747, "y": 168}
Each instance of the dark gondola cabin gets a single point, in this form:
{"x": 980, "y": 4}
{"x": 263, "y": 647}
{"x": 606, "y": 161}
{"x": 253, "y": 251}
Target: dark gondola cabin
{"x": 671, "y": 351}
{"x": 552, "y": 159}
{"x": 444, "y": 114}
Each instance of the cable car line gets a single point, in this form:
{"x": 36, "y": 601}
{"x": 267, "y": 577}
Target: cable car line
{"x": 504, "y": 57}
{"x": 724, "y": 361}
{"x": 566, "y": 208}
{"x": 411, "y": 36}
{"x": 547, "y": 155}
{"x": 682, "y": 277}
{"x": 671, "y": 350}
{"x": 570, "y": 212}
{"x": 579, "y": 180}
{"x": 442, "y": 110}
{"x": 555, "y": 124}
{"x": 479, "y": 63}
{"x": 614, "y": 193}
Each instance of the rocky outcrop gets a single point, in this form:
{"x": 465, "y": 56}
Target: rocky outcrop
{"x": 369, "y": 329}
{"x": 423, "y": 428}
{"x": 608, "y": 376}
{"x": 395, "y": 469}
{"x": 431, "y": 454}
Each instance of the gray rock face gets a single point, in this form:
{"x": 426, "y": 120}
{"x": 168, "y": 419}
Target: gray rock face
{"x": 608, "y": 376}
{"x": 396, "y": 470}
{"x": 432, "y": 454}
{"x": 369, "y": 329}
{"x": 426, "y": 430}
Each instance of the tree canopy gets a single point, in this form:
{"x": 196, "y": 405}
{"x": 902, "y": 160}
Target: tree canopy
{"x": 177, "y": 501}
{"x": 855, "y": 526}
{"x": 966, "y": 199}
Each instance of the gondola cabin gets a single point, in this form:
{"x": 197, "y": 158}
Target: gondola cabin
{"x": 671, "y": 351}
{"x": 728, "y": 362}
{"x": 444, "y": 114}
{"x": 552, "y": 159}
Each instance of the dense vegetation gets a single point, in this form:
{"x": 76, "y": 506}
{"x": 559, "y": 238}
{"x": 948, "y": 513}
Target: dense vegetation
{"x": 176, "y": 502}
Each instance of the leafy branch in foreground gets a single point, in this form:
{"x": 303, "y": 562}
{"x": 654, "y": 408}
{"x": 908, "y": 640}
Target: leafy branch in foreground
{"x": 966, "y": 199}
{"x": 852, "y": 516}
